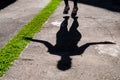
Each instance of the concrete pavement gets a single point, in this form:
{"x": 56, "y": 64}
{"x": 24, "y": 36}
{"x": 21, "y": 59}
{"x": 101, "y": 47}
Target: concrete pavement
{"x": 72, "y": 49}
{"x": 15, "y": 16}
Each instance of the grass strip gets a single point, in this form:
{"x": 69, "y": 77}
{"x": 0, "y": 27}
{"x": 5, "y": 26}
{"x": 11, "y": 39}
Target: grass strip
{"x": 15, "y": 46}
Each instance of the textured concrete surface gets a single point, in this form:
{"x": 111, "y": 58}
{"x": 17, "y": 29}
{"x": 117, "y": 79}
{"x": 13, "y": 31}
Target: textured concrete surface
{"x": 48, "y": 58}
{"x": 15, "y": 16}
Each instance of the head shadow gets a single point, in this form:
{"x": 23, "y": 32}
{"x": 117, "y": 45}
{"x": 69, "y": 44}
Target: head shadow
{"x": 66, "y": 43}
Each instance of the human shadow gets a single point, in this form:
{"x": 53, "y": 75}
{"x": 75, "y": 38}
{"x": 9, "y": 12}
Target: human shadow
{"x": 112, "y": 5}
{"x": 5, "y": 3}
{"x": 66, "y": 44}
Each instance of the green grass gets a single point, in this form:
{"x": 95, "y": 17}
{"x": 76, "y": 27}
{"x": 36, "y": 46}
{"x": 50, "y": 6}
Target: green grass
{"x": 15, "y": 46}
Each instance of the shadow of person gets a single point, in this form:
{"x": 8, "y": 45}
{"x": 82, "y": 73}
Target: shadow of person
{"x": 66, "y": 43}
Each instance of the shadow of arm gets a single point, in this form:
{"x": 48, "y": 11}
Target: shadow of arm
{"x": 82, "y": 48}
{"x": 47, "y": 44}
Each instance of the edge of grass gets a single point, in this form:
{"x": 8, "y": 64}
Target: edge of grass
{"x": 15, "y": 46}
